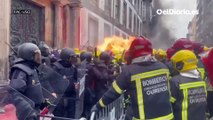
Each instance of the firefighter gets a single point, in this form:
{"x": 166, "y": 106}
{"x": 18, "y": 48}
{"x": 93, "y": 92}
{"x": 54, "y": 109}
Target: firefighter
{"x": 179, "y": 44}
{"x": 146, "y": 80}
{"x": 66, "y": 68}
{"x": 24, "y": 78}
{"x": 198, "y": 49}
{"x": 207, "y": 61}
{"x": 169, "y": 53}
{"x": 188, "y": 90}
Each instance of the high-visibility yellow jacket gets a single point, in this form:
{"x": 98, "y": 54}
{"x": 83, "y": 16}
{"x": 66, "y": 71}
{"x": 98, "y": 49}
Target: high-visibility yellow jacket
{"x": 147, "y": 84}
{"x": 188, "y": 98}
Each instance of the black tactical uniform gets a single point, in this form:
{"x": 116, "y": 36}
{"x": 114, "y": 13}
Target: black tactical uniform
{"x": 24, "y": 76}
{"x": 66, "y": 68}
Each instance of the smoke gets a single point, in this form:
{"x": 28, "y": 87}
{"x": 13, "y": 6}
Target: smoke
{"x": 167, "y": 28}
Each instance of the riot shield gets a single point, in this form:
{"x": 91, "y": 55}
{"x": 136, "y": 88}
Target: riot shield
{"x": 15, "y": 106}
{"x": 52, "y": 82}
{"x": 80, "y": 92}
{"x": 56, "y": 81}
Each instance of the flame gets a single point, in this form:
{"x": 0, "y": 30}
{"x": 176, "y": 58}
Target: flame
{"x": 116, "y": 44}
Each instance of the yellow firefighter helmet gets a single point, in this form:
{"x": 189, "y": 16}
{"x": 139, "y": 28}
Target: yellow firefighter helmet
{"x": 184, "y": 60}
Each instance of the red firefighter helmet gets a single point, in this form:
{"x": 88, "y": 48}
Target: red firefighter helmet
{"x": 140, "y": 46}
{"x": 127, "y": 57}
{"x": 207, "y": 61}
{"x": 170, "y": 52}
{"x": 198, "y": 47}
{"x": 182, "y": 44}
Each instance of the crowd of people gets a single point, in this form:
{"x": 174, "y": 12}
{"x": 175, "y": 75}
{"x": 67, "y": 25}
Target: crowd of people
{"x": 161, "y": 85}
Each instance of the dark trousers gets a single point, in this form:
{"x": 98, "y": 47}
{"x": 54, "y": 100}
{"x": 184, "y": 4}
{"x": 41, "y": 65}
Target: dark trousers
{"x": 65, "y": 108}
{"x": 210, "y": 103}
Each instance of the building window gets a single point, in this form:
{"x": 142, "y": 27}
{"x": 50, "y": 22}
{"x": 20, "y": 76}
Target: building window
{"x": 124, "y": 13}
{"x": 117, "y": 32}
{"x": 92, "y": 36}
{"x": 107, "y": 30}
{"x": 123, "y": 36}
{"x": 133, "y": 2}
{"x": 130, "y": 19}
{"x": 97, "y": 2}
{"x": 141, "y": 28}
{"x": 144, "y": 12}
{"x": 108, "y": 7}
{"x": 148, "y": 12}
{"x": 137, "y": 5}
{"x": 135, "y": 24}
{"x": 141, "y": 8}
{"x": 117, "y": 10}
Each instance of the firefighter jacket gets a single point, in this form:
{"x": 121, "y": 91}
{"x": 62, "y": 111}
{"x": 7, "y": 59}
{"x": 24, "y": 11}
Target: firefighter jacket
{"x": 204, "y": 75}
{"x": 147, "y": 84}
{"x": 188, "y": 97}
{"x": 202, "y": 70}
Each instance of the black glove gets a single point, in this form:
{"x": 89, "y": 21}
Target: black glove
{"x": 45, "y": 104}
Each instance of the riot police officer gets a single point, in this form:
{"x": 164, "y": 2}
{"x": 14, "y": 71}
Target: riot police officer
{"x": 24, "y": 77}
{"x": 66, "y": 67}
{"x": 45, "y": 52}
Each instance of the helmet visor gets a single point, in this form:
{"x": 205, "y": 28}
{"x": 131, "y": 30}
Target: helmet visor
{"x": 38, "y": 56}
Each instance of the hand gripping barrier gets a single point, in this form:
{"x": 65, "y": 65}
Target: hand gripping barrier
{"x": 114, "y": 111}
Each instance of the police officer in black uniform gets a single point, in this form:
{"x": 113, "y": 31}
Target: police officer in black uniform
{"x": 66, "y": 67}
{"x": 45, "y": 52}
{"x": 24, "y": 79}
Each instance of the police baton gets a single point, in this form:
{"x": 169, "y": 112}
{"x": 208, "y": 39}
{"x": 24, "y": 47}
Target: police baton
{"x": 11, "y": 47}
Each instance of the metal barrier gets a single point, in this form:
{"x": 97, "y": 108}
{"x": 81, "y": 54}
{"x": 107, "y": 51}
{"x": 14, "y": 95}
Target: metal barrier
{"x": 49, "y": 117}
{"x": 114, "y": 111}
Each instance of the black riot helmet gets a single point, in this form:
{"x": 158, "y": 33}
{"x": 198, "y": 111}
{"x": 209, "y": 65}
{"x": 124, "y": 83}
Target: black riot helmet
{"x": 44, "y": 48}
{"x": 67, "y": 53}
{"x": 105, "y": 56}
{"x": 29, "y": 52}
{"x": 86, "y": 56}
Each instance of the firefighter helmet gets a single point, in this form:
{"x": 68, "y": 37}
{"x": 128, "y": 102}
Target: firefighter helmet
{"x": 198, "y": 47}
{"x": 182, "y": 44}
{"x": 169, "y": 53}
{"x": 140, "y": 46}
{"x": 127, "y": 57}
{"x": 184, "y": 60}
